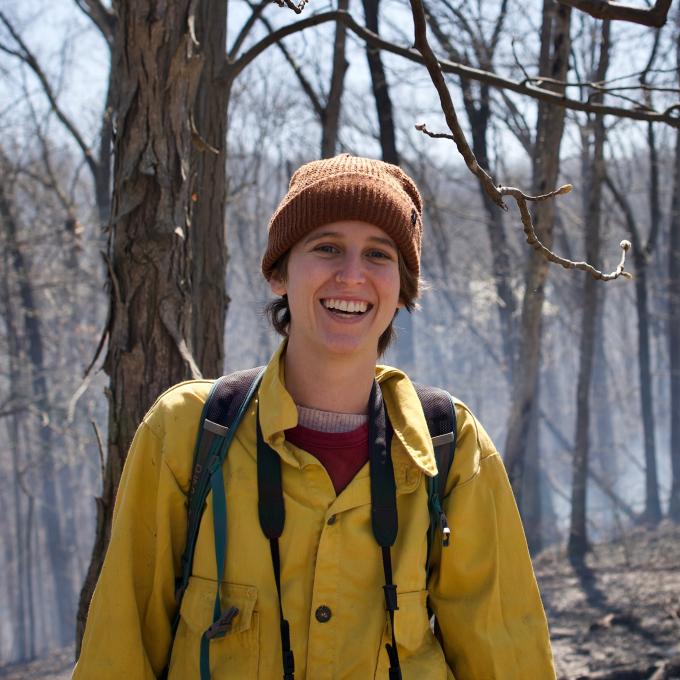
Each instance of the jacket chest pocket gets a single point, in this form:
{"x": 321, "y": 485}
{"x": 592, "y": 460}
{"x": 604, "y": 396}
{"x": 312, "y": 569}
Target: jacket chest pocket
{"x": 236, "y": 654}
{"x": 420, "y": 655}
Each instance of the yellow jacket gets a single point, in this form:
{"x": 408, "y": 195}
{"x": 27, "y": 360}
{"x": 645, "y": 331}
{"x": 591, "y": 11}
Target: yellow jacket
{"x": 482, "y": 588}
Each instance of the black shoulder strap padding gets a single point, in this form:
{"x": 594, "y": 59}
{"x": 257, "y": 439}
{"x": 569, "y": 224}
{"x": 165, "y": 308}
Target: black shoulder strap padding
{"x": 440, "y": 414}
{"x": 270, "y": 505}
{"x": 228, "y": 396}
{"x": 383, "y": 488}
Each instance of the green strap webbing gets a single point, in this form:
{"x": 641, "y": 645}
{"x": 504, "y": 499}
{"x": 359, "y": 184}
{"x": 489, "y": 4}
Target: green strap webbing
{"x": 218, "y": 450}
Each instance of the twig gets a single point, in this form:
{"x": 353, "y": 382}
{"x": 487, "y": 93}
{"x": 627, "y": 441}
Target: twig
{"x": 533, "y": 240}
{"x": 494, "y": 192}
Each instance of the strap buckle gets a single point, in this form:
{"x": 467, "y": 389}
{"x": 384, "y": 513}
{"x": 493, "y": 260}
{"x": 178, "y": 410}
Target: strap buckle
{"x": 222, "y": 626}
{"x": 446, "y": 531}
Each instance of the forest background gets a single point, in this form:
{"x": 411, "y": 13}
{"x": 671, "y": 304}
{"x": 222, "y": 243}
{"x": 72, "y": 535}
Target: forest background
{"x": 143, "y": 147}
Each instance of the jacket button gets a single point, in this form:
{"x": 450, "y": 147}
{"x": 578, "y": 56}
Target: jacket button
{"x": 323, "y": 614}
{"x": 331, "y": 520}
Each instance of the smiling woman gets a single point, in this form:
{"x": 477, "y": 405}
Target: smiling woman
{"x": 343, "y": 487}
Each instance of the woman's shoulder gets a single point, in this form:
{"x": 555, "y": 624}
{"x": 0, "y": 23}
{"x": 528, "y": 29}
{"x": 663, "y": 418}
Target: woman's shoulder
{"x": 173, "y": 420}
{"x": 178, "y": 405}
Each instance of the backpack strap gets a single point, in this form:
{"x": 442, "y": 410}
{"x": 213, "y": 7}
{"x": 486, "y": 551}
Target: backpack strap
{"x": 440, "y": 414}
{"x": 384, "y": 518}
{"x": 222, "y": 412}
{"x": 272, "y": 514}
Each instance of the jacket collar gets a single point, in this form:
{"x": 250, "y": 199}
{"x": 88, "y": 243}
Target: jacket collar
{"x": 411, "y": 444}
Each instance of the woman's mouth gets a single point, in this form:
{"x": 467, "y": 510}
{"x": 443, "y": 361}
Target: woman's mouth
{"x": 346, "y": 309}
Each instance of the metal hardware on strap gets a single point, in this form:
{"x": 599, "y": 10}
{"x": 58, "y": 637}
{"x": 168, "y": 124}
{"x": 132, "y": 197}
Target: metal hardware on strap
{"x": 222, "y": 626}
{"x": 215, "y": 428}
{"x": 446, "y": 531}
{"x": 442, "y": 439}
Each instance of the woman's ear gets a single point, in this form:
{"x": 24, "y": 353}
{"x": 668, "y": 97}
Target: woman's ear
{"x": 277, "y": 286}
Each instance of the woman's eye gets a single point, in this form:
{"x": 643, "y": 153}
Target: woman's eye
{"x": 326, "y": 248}
{"x": 379, "y": 255}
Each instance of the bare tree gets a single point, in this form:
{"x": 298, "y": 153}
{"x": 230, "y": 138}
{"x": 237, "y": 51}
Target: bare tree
{"x": 642, "y": 252}
{"x": 592, "y": 140}
{"x": 554, "y": 64}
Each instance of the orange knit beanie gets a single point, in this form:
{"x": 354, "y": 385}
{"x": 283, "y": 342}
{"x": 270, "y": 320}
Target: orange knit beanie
{"x": 348, "y": 188}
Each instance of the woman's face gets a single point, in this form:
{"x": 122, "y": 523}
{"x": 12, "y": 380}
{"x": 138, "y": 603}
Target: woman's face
{"x": 342, "y": 287}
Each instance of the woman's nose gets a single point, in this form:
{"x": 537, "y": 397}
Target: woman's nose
{"x": 351, "y": 270}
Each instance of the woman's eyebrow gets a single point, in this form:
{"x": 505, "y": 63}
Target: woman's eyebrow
{"x": 384, "y": 240}
{"x": 323, "y": 234}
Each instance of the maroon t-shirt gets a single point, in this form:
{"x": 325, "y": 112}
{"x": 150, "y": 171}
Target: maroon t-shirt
{"x": 343, "y": 454}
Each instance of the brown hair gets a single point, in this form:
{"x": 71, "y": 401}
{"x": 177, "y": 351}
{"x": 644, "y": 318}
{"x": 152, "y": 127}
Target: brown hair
{"x": 410, "y": 287}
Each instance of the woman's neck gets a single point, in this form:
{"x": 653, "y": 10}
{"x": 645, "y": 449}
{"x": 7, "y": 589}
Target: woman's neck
{"x": 327, "y": 383}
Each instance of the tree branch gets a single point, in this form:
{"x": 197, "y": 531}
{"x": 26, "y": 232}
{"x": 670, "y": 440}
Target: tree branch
{"x": 526, "y": 88}
{"x": 30, "y": 60}
{"x": 603, "y": 9}
{"x": 102, "y": 17}
{"x": 308, "y": 89}
{"x": 256, "y": 12}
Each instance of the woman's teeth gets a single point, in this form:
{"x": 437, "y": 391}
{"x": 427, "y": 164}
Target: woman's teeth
{"x": 351, "y": 306}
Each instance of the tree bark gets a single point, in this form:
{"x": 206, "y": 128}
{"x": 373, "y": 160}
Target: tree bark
{"x": 164, "y": 231}
{"x": 593, "y": 174}
{"x": 554, "y": 63}
{"x": 208, "y": 193}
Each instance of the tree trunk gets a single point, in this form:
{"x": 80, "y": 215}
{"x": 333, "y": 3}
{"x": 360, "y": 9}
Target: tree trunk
{"x": 61, "y": 569}
{"x": 21, "y": 603}
{"x": 330, "y": 122}
{"x": 160, "y": 254}
{"x": 593, "y": 174}
{"x": 208, "y": 194}
{"x": 652, "y": 511}
{"x": 674, "y": 331}
{"x": 381, "y": 93}
{"x": 555, "y": 47}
